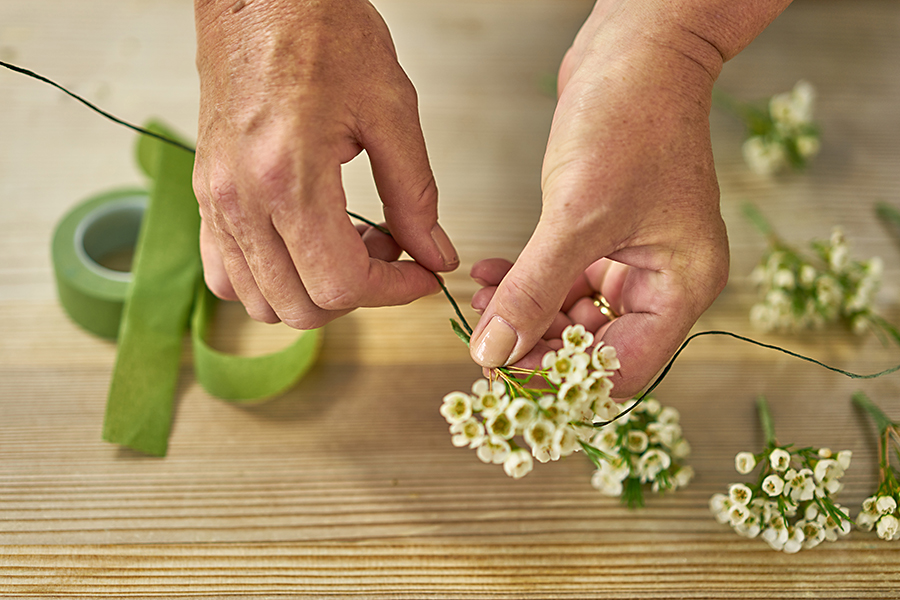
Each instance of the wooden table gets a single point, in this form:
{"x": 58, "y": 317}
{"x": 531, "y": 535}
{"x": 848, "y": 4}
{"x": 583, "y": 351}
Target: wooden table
{"x": 348, "y": 486}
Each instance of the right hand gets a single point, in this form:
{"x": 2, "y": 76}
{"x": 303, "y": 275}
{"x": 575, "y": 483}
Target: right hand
{"x": 291, "y": 90}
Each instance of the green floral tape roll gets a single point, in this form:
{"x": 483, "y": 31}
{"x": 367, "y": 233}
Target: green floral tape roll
{"x": 247, "y": 379}
{"x": 87, "y": 243}
{"x": 167, "y": 297}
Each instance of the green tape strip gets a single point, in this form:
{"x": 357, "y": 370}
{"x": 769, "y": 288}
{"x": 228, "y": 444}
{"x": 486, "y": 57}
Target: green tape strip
{"x": 150, "y": 308}
{"x": 252, "y": 378}
{"x": 91, "y": 294}
{"x": 165, "y": 274}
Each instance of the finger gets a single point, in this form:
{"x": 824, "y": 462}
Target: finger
{"x": 380, "y": 245}
{"x": 579, "y": 290}
{"x": 336, "y": 268}
{"x": 660, "y": 317}
{"x": 405, "y": 182}
{"x": 490, "y": 271}
{"x": 482, "y": 298}
{"x": 560, "y": 322}
{"x": 586, "y": 313}
{"x": 214, "y": 273}
{"x": 242, "y": 280}
{"x": 608, "y": 278}
{"x": 279, "y": 282}
{"x": 526, "y": 301}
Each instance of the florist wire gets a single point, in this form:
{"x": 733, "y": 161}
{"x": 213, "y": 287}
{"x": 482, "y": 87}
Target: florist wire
{"x": 153, "y": 134}
{"x": 462, "y": 319}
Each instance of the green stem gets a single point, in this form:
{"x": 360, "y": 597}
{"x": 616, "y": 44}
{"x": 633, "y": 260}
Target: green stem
{"x": 730, "y": 104}
{"x": 765, "y": 419}
{"x": 759, "y": 221}
{"x": 888, "y": 213}
{"x": 881, "y": 420}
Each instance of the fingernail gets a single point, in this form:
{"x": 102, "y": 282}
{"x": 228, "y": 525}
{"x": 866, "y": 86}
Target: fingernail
{"x": 496, "y": 344}
{"x": 444, "y": 246}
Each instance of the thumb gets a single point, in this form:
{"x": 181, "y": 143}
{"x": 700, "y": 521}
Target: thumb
{"x": 524, "y": 305}
{"x": 408, "y": 191}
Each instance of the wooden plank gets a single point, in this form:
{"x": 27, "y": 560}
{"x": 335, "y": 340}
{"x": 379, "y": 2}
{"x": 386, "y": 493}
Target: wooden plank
{"x": 348, "y": 486}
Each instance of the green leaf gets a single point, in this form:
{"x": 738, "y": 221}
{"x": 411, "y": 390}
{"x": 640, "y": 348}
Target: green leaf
{"x": 759, "y": 221}
{"x": 882, "y": 421}
{"x": 459, "y": 331}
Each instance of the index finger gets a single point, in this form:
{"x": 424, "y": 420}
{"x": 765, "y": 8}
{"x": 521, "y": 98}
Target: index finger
{"x": 332, "y": 259}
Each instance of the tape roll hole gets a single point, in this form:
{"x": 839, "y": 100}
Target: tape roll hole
{"x": 106, "y": 239}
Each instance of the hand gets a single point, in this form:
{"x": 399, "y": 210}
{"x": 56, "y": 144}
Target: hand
{"x": 630, "y": 207}
{"x": 290, "y": 91}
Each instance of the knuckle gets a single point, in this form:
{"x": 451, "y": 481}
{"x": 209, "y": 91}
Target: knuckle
{"x": 527, "y": 299}
{"x": 262, "y": 315}
{"x": 310, "y": 320}
{"x": 336, "y": 296}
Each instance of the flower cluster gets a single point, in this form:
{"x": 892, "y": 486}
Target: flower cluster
{"x": 565, "y": 407}
{"x": 647, "y": 447}
{"x": 510, "y": 423}
{"x": 880, "y": 511}
{"x": 791, "y": 504}
{"x": 799, "y": 292}
{"x": 802, "y": 291}
{"x": 782, "y": 133}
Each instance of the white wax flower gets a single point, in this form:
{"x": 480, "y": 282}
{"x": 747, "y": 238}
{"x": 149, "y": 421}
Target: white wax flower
{"x": 539, "y": 433}
{"x": 494, "y": 450}
{"x": 521, "y": 412}
{"x": 565, "y": 441}
{"x": 576, "y": 338}
{"x": 683, "y": 476}
{"x": 606, "y": 409}
{"x": 490, "y": 397}
{"x": 737, "y": 514}
{"x": 800, "y": 485}
{"x": 888, "y": 528}
{"x": 763, "y": 157}
{"x": 681, "y": 449}
{"x": 773, "y": 485}
{"x": 651, "y": 463}
{"x": 566, "y": 365}
{"x": 457, "y": 407}
{"x": 779, "y": 459}
{"x": 467, "y": 433}
{"x": 604, "y": 358}
{"x": 668, "y": 415}
{"x": 744, "y": 462}
{"x": 500, "y": 426}
{"x": 739, "y": 493}
{"x": 827, "y": 469}
{"x": 636, "y": 441}
{"x": 518, "y": 464}
{"x": 885, "y": 505}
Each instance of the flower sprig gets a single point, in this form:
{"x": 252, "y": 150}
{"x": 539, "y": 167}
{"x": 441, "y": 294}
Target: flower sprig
{"x": 809, "y": 290}
{"x": 647, "y": 447}
{"x": 791, "y": 505}
{"x": 880, "y": 510}
{"x": 781, "y": 133}
{"x": 565, "y": 407}
{"x": 545, "y": 415}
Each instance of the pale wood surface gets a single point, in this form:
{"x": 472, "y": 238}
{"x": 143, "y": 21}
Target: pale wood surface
{"x": 348, "y": 486}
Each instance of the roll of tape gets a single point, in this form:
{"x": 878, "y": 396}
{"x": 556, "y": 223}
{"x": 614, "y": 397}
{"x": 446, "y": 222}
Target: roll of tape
{"x": 101, "y": 227}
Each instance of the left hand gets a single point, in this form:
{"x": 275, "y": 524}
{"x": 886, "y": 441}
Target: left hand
{"x": 630, "y": 207}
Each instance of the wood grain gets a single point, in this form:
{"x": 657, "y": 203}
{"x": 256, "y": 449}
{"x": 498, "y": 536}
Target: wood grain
{"x": 347, "y": 486}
